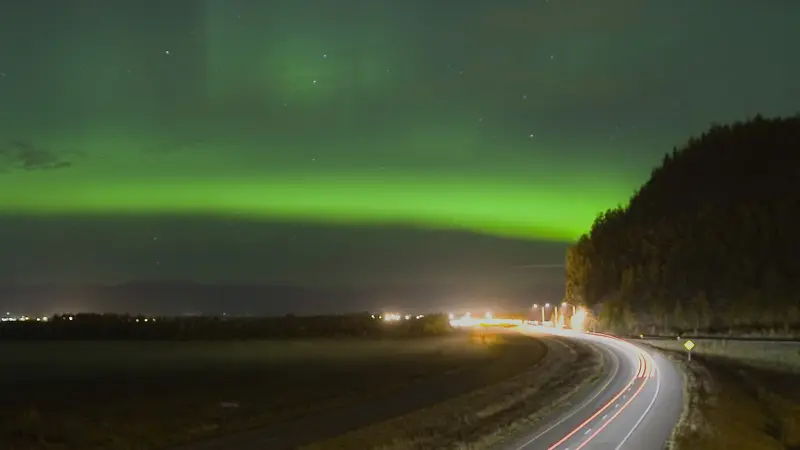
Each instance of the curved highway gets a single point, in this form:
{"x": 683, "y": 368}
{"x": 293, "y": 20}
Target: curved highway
{"x": 635, "y": 406}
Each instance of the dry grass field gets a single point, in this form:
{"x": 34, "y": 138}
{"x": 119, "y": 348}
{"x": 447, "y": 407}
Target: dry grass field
{"x": 151, "y": 395}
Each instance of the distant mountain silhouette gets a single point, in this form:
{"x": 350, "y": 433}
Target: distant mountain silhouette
{"x": 175, "y": 297}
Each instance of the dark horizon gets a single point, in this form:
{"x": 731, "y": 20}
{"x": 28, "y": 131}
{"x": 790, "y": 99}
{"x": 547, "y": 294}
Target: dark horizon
{"x": 178, "y": 298}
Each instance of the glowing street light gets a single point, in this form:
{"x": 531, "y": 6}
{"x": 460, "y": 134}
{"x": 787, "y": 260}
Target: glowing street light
{"x": 536, "y": 305}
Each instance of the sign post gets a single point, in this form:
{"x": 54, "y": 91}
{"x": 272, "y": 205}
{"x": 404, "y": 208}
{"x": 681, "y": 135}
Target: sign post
{"x": 689, "y": 345}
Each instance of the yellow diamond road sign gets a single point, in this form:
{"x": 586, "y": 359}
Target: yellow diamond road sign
{"x": 689, "y": 345}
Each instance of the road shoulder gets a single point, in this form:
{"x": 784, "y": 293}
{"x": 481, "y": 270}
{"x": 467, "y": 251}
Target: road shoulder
{"x": 484, "y": 418}
{"x": 603, "y": 365}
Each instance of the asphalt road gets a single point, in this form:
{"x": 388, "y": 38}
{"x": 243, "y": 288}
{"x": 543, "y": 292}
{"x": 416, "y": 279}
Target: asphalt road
{"x": 635, "y": 405}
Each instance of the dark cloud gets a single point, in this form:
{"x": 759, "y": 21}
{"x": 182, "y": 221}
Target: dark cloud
{"x": 24, "y": 155}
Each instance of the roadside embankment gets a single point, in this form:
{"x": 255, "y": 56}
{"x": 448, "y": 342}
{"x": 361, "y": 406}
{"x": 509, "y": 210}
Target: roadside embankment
{"x": 483, "y": 418}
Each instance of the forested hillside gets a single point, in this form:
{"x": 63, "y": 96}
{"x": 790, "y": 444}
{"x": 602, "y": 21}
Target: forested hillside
{"x": 710, "y": 243}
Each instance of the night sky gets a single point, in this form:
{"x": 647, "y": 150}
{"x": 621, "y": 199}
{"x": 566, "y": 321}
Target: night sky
{"x": 343, "y": 141}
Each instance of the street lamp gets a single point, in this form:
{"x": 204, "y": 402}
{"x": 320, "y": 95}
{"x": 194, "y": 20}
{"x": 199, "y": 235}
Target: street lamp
{"x": 536, "y": 305}
{"x": 546, "y": 305}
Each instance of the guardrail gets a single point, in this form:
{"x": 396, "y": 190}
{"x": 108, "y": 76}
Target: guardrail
{"x": 779, "y": 354}
{"x": 715, "y": 338}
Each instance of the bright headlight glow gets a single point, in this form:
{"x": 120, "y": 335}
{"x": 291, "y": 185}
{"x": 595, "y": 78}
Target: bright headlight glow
{"x": 578, "y": 319}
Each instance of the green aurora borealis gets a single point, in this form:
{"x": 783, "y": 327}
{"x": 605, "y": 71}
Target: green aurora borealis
{"x": 521, "y": 120}
{"x": 495, "y": 204}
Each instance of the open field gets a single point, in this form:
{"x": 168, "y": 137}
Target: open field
{"x": 119, "y": 395}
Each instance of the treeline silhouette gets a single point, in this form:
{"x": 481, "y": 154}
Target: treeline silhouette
{"x": 709, "y": 244}
{"x": 125, "y": 327}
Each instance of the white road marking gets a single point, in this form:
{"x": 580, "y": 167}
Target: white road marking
{"x": 575, "y": 411}
{"x": 636, "y": 425}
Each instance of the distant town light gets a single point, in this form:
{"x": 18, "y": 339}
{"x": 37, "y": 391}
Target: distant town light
{"x": 391, "y": 317}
